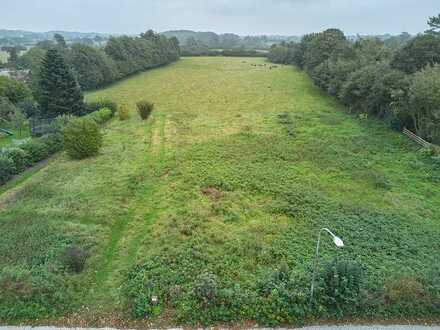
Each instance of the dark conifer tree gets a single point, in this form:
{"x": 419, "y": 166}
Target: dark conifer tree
{"x": 59, "y": 92}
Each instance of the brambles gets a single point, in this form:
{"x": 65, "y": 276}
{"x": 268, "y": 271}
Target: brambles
{"x": 206, "y": 288}
{"x": 82, "y": 138}
{"x": 144, "y": 109}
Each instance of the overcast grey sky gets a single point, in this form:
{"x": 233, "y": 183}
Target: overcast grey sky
{"x": 245, "y": 17}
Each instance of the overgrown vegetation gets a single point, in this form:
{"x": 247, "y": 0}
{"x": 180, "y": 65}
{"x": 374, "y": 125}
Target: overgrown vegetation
{"x": 82, "y": 138}
{"x": 208, "y": 212}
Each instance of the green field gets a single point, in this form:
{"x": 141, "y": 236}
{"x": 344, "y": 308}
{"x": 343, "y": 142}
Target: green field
{"x": 3, "y": 57}
{"x": 232, "y": 177}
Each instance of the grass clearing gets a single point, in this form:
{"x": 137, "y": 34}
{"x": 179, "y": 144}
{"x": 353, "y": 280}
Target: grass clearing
{"x": 6, "y": 140}
{"x": 232, "y": 176}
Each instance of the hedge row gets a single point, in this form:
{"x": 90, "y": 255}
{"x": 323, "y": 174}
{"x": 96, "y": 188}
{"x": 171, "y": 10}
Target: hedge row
{"x": 17, "y": 158}
{"x": 400, "y": 87}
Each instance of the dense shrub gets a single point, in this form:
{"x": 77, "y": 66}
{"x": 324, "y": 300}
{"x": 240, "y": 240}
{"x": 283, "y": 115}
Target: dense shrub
{"x": 36, "y": 150}
{"x": 53, "y": 142}
{"x": 357, "y": 90}
{"x": 7, "y": 169}
{"x": 104, "y": 103}
{"x": 144, "y": 109}
{"x": 206, "y": 288}
{"x": 18, "y": 157}
{"x": 342, "y": 283}
{"x": 82, "y": 138}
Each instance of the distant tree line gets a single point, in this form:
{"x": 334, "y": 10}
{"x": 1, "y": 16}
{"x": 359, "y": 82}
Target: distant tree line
{"x": 59, "y": 72}
{"x": 399, "y": 85}
{"x": 95, "y": 67}
{"x": 210, "y": 43}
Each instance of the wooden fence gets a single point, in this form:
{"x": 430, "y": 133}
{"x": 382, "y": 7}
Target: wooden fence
{"x": 417, "y": 139}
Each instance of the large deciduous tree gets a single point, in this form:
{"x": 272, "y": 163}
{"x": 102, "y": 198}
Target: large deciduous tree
{"x": 58, "y": 91}
{"x": 320, "y": 47}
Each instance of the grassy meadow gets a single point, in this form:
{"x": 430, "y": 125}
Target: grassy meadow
{"x": 214, "y": 205}
{"x": 3, "y": 57}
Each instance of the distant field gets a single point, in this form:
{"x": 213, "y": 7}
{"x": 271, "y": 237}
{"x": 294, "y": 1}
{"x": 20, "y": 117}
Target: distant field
{"x": 3, "y": 57}
{"x": 233, "y": 176}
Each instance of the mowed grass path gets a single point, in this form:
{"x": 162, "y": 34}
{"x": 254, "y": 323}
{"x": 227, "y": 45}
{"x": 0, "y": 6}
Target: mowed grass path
{"x": 217, "y": 174}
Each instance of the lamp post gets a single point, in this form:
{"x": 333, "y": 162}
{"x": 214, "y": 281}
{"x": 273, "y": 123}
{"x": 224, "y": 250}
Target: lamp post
{"x": 338, "y": 242}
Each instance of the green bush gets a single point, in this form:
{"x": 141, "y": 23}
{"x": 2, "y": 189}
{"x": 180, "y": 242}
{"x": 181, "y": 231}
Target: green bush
{"x": 206, "y": 288}
{"x": 342, "y": 282}
{"x": 36, "y": 150}
{"x": 7, "y": 169}
{"x": 28, "y": 153}
{"x": 144, "y": 109}
{"x": 101, "y": 116}
{"x": 82, "y": 138}
{"x": 106, "y": 114}
{"x": 283, "y": 296}
{"x": 101, "y": 104}
{"x": 18, "y": 157}
{"x": 52, "y": 142}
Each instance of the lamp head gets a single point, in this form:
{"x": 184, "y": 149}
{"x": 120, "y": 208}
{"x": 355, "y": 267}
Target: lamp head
{"x": 338, "y": 242}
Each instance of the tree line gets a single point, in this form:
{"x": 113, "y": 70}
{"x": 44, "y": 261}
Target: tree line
{"x": 95, "y": 67}
{"x": 59, "y": 73}
{"x": 400, "y": 86}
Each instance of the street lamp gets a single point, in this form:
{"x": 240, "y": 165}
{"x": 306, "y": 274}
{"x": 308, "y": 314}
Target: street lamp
{"x": 338, "y": 242}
